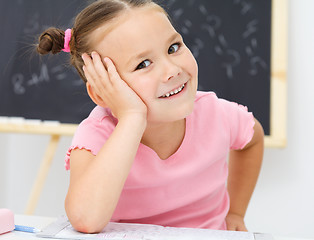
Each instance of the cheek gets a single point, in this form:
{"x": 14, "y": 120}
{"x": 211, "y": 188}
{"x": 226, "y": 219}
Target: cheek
{"x": 192, "y": 67}
{"x": 142, "y": 86}
{"x": 192, "y": 64}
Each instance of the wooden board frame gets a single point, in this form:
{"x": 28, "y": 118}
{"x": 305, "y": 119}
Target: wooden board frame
{"x": 278, "y": 88}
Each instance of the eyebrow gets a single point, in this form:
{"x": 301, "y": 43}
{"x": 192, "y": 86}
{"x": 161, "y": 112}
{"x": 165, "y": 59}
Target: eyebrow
{"x": 145, "y": 53}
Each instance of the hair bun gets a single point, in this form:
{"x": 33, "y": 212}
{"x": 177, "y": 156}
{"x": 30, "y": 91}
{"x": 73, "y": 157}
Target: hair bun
{"x": 52, "y": 40}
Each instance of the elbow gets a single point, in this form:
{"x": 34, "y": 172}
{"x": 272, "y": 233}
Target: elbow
{"x": 85, "y": 222}
{"x": 87, "y": 226}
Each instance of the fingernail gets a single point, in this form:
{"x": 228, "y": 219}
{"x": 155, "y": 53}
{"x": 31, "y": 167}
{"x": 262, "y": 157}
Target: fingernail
{"x": 94, "y": 54}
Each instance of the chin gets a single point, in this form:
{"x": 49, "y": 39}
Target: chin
{"x": 188, "y": 109}
{"x": 171, "y": 115}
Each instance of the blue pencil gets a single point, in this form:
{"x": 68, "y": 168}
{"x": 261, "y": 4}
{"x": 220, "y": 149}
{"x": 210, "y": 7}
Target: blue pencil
{"x": 26, "y": 229}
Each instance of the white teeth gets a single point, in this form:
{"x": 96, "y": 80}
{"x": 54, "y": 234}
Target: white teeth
{"x": 179, "y": 89}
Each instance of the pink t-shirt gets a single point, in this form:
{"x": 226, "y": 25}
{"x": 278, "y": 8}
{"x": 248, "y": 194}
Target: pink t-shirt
{"x": 189, "y": 188}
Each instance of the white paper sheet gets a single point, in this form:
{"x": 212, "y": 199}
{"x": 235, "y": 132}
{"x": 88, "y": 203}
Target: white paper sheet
{"x": 126, "y": 231}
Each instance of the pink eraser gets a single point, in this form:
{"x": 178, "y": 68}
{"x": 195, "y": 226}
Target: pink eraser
{"x": 6, "y": 220}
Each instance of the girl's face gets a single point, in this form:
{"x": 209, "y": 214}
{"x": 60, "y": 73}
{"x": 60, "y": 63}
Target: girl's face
{"x": 151, "y": 57}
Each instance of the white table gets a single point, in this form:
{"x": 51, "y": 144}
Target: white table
{"x": 41, "y": 222}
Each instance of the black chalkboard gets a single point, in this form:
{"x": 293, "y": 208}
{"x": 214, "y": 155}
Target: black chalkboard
{"x": 229, "y": 38}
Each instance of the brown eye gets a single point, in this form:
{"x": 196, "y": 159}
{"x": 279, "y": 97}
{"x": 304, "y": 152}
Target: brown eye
{"x": 173, "y": 48}
{"x": 143, "y": 64}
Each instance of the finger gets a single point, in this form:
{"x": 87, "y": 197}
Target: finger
{"x": 88, "y": 67}
{"x": 242, "y": 228}
{"x": 99, "y": 66}
{"x": 112, "y": 71}
{"x": 231, "y": 228}
{"x": 99, "y": 92}
{"x": 97, "y": 80}
{"x": 88, "y": 76}
{"x": 98, "y": 88}
{"x": 88, "y": 62}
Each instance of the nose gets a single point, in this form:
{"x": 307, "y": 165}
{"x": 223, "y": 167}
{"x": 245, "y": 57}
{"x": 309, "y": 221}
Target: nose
{"x": 171, "y": 69}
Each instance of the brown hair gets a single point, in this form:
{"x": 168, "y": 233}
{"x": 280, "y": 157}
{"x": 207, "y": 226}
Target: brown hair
{"x": 88, "y": 20}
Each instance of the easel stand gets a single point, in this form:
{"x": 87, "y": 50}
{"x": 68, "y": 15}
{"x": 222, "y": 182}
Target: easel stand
{"x": 42, "y": 174}
{"x": 55, "y": 132}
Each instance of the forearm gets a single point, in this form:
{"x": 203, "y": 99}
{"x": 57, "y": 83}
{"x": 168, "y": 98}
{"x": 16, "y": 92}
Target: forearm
{"x": 93, "y": 195}
{"x": 244, "y": 168}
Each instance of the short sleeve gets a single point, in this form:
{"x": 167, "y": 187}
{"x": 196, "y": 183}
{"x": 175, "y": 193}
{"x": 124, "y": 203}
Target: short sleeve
{"x": 91, "y": 133}
{"x": 241, "y": 123}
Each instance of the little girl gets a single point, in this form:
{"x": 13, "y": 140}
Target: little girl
{"x": 154, "y": 149}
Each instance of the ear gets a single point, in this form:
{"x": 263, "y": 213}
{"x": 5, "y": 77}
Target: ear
{"x": 94, "y": 96}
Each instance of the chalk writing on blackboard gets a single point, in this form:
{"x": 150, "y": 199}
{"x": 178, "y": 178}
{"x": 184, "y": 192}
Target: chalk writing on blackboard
{"x": 211, "y": 24}
{"x": 21, "y": 84}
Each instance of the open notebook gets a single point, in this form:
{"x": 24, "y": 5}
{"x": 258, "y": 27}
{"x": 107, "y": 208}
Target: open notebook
{"x": 62, "y": 229}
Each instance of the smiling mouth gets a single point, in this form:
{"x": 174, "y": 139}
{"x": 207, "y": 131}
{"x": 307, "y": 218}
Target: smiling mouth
{"x": 173, "y": 92}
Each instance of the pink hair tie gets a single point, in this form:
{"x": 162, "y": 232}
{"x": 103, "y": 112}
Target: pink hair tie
{"x": 67, "y": 38}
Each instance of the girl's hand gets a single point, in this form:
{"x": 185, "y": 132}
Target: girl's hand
{"x": 235, "y": 222}
{"x": 109, "y": 90}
